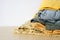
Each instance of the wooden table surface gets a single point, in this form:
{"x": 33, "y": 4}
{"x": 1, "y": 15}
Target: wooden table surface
{"x": 6, "y": 33}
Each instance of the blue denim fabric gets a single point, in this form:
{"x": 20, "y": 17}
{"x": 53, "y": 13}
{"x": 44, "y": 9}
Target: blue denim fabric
{"x": 50, "y": 18}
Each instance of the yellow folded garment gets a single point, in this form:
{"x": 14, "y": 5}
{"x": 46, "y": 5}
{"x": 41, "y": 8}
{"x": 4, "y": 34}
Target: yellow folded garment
{"x": 50, "y": 4}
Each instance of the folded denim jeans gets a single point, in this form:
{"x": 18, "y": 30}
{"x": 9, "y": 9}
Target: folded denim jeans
{"x": 49, "y": 18}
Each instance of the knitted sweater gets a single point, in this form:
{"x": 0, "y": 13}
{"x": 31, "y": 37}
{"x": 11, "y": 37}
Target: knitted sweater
{"x": 50, "y": 4}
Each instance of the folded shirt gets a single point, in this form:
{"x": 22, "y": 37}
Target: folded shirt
{"x": 52, "y": 4}
{"x": 49, "y": 18}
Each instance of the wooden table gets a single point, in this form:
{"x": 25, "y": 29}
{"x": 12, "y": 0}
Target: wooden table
{"x": 6, "y": 33}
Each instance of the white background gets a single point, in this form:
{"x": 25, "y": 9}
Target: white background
{"x": 16, "y": 12}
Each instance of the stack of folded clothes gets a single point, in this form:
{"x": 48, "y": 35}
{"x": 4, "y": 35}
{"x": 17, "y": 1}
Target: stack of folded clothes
{"x": 46, "y": 21}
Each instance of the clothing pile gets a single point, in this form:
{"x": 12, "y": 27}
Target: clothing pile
{"x": 46, "y": 21}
